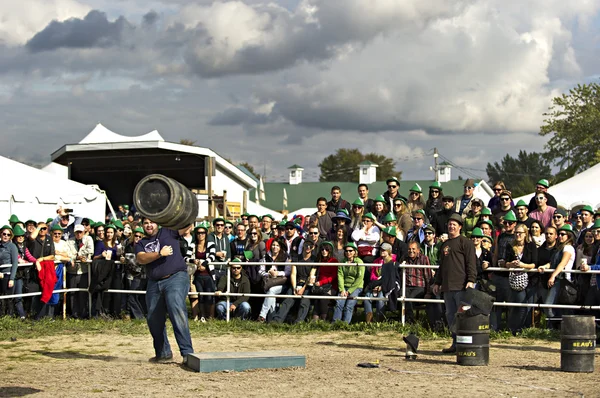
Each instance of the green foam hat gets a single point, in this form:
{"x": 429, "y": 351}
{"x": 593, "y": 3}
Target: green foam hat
{"x": 595, "y": 226}
{"x": 358, "y": 202}
{"x": 567, "y": 228}
{"x": 587, "y": 208}
{"x": 477, "y": 233}
{"x": 139, "y": 230}
{"x": 13, "y": 219}
{"x": 30, "y": 221}
{"x": 110, "y": 226}
{"x": 437, "y": 185}
{"x": 6, "y": 227}
{"x": 392, "y": 179}
{"x": 486, "y": 211}
{"x": 390, "y": 231}
{"x": 268, "y": 216}
{"x": 521, "y": 203}
{"x": 416, "y": 188}
{"x": 381, "y": 199}
{"x": 370, "y": 216}
{"x": 118, "y": 224}
{"x": 510, "y": 216}
{"x": 544, "y": 182}
{"x": 326, "y": 243}
{"x": 351, "y": 245}
{"x": 56, "y": 227}
{"x": 390, "y": 217}
{"x": 217, "y": 220}
{"x": 18, "y": 231}
{"x": 49, "y": 220}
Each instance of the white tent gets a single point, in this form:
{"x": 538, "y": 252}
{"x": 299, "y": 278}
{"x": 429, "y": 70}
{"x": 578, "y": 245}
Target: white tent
{"x": 101, "y": 134}
{"x": 31, "y": 193}
{"x": 260, "y": 210}
{"x": 581, "y": 189}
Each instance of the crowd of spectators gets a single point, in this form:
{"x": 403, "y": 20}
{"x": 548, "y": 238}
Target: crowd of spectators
{"x": 385, "y": 230}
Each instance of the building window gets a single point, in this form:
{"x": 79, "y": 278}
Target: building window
{"x": 293, "y": 173}
{"x": 443, "y": 171}
{"x": 365, "y": 171}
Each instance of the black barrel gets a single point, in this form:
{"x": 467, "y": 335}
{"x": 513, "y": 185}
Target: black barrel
{"x": 472, "y": 339}
{"x": 577, "y": 343}
{"x": 165, "y": 201}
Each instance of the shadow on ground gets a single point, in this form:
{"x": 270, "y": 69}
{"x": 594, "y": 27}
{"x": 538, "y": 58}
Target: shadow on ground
{"x": 15, "y": 391}
{"x": 75, "y": 355}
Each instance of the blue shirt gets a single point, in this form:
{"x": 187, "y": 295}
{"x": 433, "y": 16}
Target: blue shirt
{"x": 9, "y": 256}
{"x": 162, "y": 266}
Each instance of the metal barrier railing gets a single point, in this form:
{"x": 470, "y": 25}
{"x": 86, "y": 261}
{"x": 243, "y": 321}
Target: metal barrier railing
{"x": 403, "y": 299}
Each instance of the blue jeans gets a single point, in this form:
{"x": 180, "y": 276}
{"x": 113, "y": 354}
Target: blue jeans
{"x": 368, "y": 304}
{"x": 452, "y": 302}
{"x": 241, "y": 311}
{"x": 134, "y": 305}
{"x": 517, "y": 316}
{"x": 503, "y": 292}
{"x": 269, "y": 303}
{"x": 548, "y": 296}
{"x": 168, "y": 296}
{"x": 18, "y": 289}
{"x": 346, "y": 306}
{"x": 204, "y": 284}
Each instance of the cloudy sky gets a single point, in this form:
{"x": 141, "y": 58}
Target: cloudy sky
{"x": 278, "y": 83}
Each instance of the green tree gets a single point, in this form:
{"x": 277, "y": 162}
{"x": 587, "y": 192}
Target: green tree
{"x": 573, "y": 121}
{"x": 343, "y": 166}
{"x": 521, "y": 173}
{"x": 250, "y": 169}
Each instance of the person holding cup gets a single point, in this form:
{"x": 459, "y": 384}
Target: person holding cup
{"x": 107, "y": 248}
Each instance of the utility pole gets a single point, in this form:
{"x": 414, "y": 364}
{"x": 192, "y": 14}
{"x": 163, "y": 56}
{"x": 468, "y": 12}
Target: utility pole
{"x": 435, "y": 163}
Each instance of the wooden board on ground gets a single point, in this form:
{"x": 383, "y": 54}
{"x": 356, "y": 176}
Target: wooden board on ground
{"x": 244, "y": 360}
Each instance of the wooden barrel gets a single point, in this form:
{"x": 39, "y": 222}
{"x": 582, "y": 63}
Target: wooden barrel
{"x": 165, "y": 201}
{"x": 472, "y": 339}
{"x": 577, "y": 343}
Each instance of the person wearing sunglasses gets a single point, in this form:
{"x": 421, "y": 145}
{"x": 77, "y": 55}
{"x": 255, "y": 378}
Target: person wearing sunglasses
{"x": 350, "y": 280}
{"x": 325, "y": 281}
{"x": 440, "y": 221}
{"x": 9, "y": 256}
{"x": 223, "y": 246}
{"x": 472, "y": 217}
{"x": 239, "y": 283}
{"x": 463, "y": 202}
{"x": 204, "y": 253}
{"x": 265, "y": 226}
{"x": 42, "y": 248}
{"x": 67, "y": 221}
{"x": 434, "y": 199}
{"x": 229, "y": 229}
{"x": 135, "y": 276}
{"x": 563, "y": 259}
{"x": 494, "y": 201}
{"x": 415, "y": 198}
{"x": 22, "y": 275}
{"x": 81, "y": 250}
{"x": 417, "y": 233}
{"x": 358, "y": 209}
{"x": 522, "y": 212}
{"x": 543, "y": 212}
{"x": 393, "y": 192}
{"x": 275, "y": 276}
{"x": 504, "y": 206}
{"x": 367, "y": 238}
{"x": 542, "y": 186}
{"x": 592, "y": 296}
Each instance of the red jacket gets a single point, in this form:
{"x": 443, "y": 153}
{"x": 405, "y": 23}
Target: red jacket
{"x": 328, "y": 274}
{"x": 47, "y": 276}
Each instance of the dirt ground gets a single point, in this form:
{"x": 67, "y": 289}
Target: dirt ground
{"x": 110, "y": 365}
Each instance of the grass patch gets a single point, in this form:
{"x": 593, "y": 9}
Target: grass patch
{"x": 15, "y": 328}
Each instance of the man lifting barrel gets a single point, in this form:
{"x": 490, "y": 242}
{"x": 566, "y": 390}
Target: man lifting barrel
{"x": 168, "y": 286}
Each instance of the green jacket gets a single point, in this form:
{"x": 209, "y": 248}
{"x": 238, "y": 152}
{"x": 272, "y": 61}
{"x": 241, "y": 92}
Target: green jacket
{"x": 352, "y": 277}
{"x": 432, "y": 253}
{"x": 470, "y": 221}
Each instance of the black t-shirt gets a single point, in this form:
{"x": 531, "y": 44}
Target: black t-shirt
{"x": 163, "y": 266}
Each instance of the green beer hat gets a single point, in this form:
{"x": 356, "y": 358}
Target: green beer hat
{"x": 389, "y": 217}
{"x": 118, "y": 224}
{"x": 18, "y": 231}
{"x": 326, "y": 243}
{"x": 510, "y": 216}
{"x": 13, "y": 219}
{"x": 390, "y": 231}
{"x": 268, "y": 216}
{"x": 587, "y": 208}
{"x": 30, "y": 221}
{"x": 6, "y": 227}
{"x": 351, "y": 245}
{"x": 110, "y": 226}
{"x": 49, "y": 220}
{"x": 521, "y": 203}
{"x": 486, "y": 211}
{"x": 370, "y": 216}
{"x": 595, "y": 226}
{"x": 436, "y": 184}
{"x": 139, "y": 230}
{"x": 56, "y": 227}
{"x": 567, "y": 228}
{"x": 488, "y": 238}
{"x": 380, "y": 198}
{"x": 477, "y": 233}
{"x": 392, "y": 179}
{"x": 420, "y": 211}
{"x": 358, "y": 202}
{"x": 416, "y": 188}
{"x": 217, "y": 220}
{"x": 544, "y": 183}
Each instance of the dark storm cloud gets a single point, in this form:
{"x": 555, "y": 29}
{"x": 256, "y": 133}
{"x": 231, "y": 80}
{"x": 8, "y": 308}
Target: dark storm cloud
{"x": 94, "y": 30}
{"x": 237, "y": 116}
{"x": 150, "y": 18}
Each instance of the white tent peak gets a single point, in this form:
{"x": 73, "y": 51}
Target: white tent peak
{"x": 101, "y": 135}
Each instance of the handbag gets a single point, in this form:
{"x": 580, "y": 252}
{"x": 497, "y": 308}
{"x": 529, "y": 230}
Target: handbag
{"x": 365, "y": 251}
{"x": 517, "y": 280}
{"x": 323, "y": 290}
{"x": 568, "y": 292}
{"x": 277, "y": 281}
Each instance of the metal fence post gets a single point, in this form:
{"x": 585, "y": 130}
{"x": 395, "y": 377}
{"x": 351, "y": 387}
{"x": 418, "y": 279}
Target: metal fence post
{"x": 228, "y": 316}
{"x": 403, "y": 296}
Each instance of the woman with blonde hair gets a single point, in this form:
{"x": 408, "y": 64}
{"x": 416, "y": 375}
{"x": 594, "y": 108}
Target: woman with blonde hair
{"x": 521, "y": 253}
{"x": 415, "y": 198}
